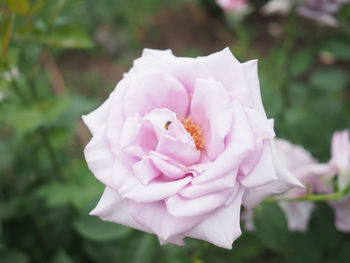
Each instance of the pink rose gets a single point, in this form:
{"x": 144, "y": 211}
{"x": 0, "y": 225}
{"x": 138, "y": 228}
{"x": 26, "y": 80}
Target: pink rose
{"x": 341, "y": 162}
{"x": 178, "y": 144}
{"x": 310, "y": 172}
{"x": 341, "y": 157}
{"x": 232, "y": 5}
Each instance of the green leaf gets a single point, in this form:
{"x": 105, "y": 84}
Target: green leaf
{"x": 93, "y": 228}
{"x": 18, "y": 6}
{"x": 339, "y": 47}
{"x": 29, "y": 118}
{"x": 13, "y": 256}
{"x": 38, "y": 6}
{"x": 330, "y": 79}
{"x": 80, "y": 189}
{"x": 24, "y": 119}
{"x": 301, "y": 61}
{"x": 61, "y": 257}
{"x": 145, "y": 250}
{"x": 65, "y": 37}
{"x": 271, "y": 227}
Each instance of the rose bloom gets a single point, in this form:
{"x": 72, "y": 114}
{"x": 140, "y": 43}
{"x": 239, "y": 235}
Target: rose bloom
{"x": 321, "y": 11}
{"x": 341, "y": 162}
{"x": 232, "y": 5}
{"x": 310, "y": 172}
{"x": 180, "y": 144}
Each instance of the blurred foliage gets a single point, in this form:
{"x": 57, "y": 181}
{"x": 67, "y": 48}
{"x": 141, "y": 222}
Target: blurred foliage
{"x": 46, "y": 190}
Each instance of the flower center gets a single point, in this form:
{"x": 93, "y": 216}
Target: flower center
{"x": 195, "y": 131}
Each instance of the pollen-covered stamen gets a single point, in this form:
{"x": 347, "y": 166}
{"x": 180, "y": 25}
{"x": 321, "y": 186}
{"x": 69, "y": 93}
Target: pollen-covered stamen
{"x": 195, "y": 131}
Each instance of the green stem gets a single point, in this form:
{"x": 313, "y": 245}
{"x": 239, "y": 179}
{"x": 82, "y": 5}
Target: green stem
{"x": 317, "y": 198}
{"x": 50, "y": 150}
{"x": 8, "y": 36}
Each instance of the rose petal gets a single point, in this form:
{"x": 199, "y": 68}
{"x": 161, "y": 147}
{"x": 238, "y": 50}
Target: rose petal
{"x": 167, "y": 166}
{"x": 176, "y": 150}
{"x": 175, "y": 240}
{"x": 240, "y": 144}
{"x": 145, "y": 170}
{"x": 222, "y": 227}
{"x": 226, "y": 69}
{"x": 153, "y": 89}
{"x": 100, "y": 159}
{"x": 208, "y": 96}
{"x": 186, "y": 70}
{"x": 220, "y": 124}
{"x": 221, "y": 184}
{"x": 180, "y": 206}
{"x": 297, "y": 214}
{"x": 96, "y": 119}
{"x": 130, "y": 187}
{"x": 286, "y": 180}
{"x": 264, "y": 170}
{"x": 250, "y": 70}
{"x": 156, "y": 217}
{"x": 112, "y": 207}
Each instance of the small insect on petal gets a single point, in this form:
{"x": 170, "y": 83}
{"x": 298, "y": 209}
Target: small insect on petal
{"x": 167, "y": 124}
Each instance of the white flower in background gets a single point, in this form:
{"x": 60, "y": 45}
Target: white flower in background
{"x": 341, "y": 161}
{"x": 232, "y": 5}
{"x": 310, "y": 172}
{"x": 321, "y": 11}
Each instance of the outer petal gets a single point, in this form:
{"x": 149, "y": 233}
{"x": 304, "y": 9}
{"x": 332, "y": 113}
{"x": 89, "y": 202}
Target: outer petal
{"x": 180, "y": 206}
{"x": 263, "y": 172}
{"x": 285, "y": 181}
{"x": 226, "y": 69}
{"x": 297, "y": 214}
{"x": 341, "y": 157}
{"x": 130, "y": 187}
{"x": 112, "y": 207}
{"x": 221, "y": 184}
{"x": 153, "y": 89}
{"x": 185, "y": 70}
{"x": 222, "y": 227}
{"x": 176, "y": 240}
{"x": 250, "y": 69}
{"x": 156, "y": 217}
{"x": 100, "y": 159}
{"x": 96, "y": 119}
{"x": 342, "y": 215}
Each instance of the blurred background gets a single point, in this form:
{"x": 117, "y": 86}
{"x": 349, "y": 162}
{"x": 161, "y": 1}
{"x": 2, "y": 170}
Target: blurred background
{"x": 60, "y": 59}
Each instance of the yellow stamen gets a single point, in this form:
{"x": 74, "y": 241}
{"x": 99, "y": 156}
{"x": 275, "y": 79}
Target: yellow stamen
{"x": 195, "y": 131}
